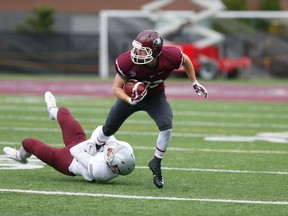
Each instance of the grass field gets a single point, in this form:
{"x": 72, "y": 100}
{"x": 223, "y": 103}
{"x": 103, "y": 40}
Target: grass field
{"x": 225, "y": 158}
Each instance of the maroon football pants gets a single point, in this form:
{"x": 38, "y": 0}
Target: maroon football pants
{"x": 58, "y": 158}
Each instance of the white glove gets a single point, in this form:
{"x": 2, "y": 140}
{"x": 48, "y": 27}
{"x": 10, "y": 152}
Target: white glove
{"x": 199, "y": 89}
{"x": 136, "y": 98}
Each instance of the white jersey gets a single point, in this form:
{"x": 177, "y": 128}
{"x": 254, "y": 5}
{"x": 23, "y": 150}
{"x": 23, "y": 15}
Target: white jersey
{"x": 97, "y": 169}
{"x": 90, "y": 163}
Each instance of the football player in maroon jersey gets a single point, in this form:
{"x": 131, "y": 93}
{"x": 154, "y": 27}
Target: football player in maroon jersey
{"x": 151, "y": 63}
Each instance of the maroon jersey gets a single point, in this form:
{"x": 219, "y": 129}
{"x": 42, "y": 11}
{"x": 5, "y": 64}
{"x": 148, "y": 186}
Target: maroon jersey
{"x": 170, "y": 59}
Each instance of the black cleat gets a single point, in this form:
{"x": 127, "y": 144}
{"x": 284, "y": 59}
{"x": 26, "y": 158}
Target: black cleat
{"x": 155, "y": 167}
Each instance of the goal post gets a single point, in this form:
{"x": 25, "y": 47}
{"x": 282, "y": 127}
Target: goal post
{"x": 105, "y": 15}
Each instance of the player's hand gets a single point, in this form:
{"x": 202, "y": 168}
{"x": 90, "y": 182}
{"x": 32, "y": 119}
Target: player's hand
{"x": 136, "y": 98}
{"x": 199, "y": 89}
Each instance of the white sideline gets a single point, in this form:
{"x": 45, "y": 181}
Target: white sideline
{"x": 3, "y": 190}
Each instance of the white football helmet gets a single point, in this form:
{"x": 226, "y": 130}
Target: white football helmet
{"x": 119, "y": 157}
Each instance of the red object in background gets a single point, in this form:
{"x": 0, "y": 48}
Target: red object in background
{"x": 208, "y": 63}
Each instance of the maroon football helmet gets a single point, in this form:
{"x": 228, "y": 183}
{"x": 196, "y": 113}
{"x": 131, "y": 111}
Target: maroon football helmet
{"x": 147, "y": 46}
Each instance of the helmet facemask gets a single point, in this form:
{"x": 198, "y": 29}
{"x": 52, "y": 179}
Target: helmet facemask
{"x": 141, "y": 59}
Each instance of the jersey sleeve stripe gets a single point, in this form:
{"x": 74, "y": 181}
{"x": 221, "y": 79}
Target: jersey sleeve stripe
{"x": 182, "y": 60}
{"x": 119, "y": 69}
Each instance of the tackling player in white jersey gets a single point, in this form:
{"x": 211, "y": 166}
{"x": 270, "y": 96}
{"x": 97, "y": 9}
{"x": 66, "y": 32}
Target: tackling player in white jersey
{"x": 80, "y": 156}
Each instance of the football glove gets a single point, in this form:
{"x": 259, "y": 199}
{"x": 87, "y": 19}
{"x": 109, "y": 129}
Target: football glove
{"x": 136, "y": 98}
{"x": 199, "y": 89}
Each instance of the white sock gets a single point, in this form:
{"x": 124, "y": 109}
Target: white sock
{"x": 163, "y": 141}
{"x": 98, "y": 136}
{"x": 53, "y": 111}
{"x": 22, "y": 153}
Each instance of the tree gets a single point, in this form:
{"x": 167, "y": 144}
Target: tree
{"x": 269, "y": 5}
{"x": 41, "y": 22}
{"x": 236, "y": 4}
{"x": 266, "y": 5}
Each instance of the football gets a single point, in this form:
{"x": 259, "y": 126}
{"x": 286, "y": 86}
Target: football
{"x": 130, "y": 84}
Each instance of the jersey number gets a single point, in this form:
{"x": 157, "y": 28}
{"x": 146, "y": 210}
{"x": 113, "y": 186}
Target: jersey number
{"x": 153, "y": 84}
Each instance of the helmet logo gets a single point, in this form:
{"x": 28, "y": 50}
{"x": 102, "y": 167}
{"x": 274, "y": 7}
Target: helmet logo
{"x": 115, "y": 169}
{"x": 157, "y": 41}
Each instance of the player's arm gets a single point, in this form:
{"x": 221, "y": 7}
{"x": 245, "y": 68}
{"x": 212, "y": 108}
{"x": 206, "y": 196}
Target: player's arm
{"x": 83, "y": 152}
{"x": 118, "y": 88}
{"x": 188, "y": 66}
{"x": 189, "y": 69}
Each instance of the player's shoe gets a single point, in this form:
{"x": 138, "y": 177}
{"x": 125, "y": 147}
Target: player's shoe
{"x": 51, "y": 102}
{"x": 155, "y": 167}
{"x": 12, "y": 153}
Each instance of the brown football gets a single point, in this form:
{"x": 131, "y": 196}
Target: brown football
{"x": 130, "y": 84}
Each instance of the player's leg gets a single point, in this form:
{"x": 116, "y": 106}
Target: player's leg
{"x": 51, "y": 105}
{"x": 72, "y": 131}
{"x": 119, "y": 112}
{"x": 59, "y": 159}
{"x": 160, "y": 111}
{"x": 20, "y": 155}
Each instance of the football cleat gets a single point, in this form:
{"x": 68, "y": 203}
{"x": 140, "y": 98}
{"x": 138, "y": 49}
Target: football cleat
{"x": 12, "y": 154}
{"x": 51, "y": 102}
{"x": 155, "y": 167}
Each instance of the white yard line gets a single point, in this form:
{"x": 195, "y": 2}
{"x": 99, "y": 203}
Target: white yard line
{"x": 3, "y": 190}
{"x": 178, "y": 112}
{"x": 236, "y": 151}
{"x": 10, "y": 101}
{"x": 217, "y": 124}
{"x": 8, "y": 164}
{"x": 216, "y": 150}
{"x": 219, "y": 170}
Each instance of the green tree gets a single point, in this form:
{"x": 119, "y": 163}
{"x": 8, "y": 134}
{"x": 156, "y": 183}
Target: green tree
{"x": 269, "y": 5}
{"x": 266, "y": 5}
{"x": 41, "y": 22}
{"x": 235, "y": 4}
